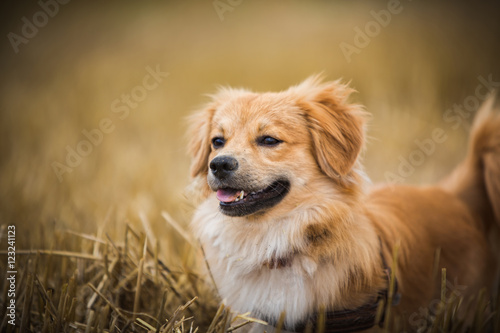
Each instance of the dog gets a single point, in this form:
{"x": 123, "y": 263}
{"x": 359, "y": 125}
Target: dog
{"x": 290, "y": 225}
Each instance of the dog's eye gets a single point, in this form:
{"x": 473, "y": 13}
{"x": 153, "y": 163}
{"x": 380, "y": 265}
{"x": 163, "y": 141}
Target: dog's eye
{"x": 268, "y": 141}
{"x": 218, "y": 142}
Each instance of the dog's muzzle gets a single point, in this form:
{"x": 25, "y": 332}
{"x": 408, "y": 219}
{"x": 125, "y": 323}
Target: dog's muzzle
{"x": 238, "y": 196}
{"x": 223, "y": 167}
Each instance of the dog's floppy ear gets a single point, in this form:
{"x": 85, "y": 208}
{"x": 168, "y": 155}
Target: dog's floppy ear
{"x": 336, "y": 127}
{"x": 199, "y": 140}
{"x": 199, "y": 146}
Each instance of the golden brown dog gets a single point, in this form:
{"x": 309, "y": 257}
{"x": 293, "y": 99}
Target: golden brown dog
{"x": 288, "y": 224}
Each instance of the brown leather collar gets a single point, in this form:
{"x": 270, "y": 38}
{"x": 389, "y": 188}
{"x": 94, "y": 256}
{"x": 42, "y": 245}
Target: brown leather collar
{"x": 346, "y": 321}
{"x": 277, "y": 263}
{"x": 361, "y": 318}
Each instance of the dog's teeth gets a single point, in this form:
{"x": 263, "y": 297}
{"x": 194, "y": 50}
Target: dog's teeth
{"x": 242, "y": 194}
{"x": 237, "y": 199}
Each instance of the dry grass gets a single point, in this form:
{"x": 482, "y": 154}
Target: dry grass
{"x": 65, "y": 79}
{"x": 84, "y": 283}
{"x": 87, "y": 284}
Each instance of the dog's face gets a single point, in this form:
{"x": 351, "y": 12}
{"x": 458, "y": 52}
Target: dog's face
{"x": 256, "y": 141}
{"x": 259, "y": 151}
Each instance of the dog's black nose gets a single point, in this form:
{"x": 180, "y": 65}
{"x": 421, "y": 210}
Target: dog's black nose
{"x": 223, "y": 166}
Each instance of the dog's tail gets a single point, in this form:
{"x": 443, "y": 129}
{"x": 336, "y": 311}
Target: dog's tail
{"x": 477, "y": 179}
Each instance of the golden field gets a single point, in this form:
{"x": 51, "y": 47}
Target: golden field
{"x": 70, "y": 79}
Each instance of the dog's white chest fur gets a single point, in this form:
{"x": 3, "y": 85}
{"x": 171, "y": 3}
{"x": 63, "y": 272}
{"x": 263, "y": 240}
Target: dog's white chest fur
{"x": 237, "y": 251}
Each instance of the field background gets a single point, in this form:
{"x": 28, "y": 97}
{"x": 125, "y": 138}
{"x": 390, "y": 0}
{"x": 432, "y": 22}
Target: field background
{"x": 63, "y": 81}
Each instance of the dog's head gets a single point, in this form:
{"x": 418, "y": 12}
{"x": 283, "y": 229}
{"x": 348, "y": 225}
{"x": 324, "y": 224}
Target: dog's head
{"x": 260, "y": 150}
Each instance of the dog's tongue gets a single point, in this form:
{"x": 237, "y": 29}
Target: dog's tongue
{"x": 227, "y": 195}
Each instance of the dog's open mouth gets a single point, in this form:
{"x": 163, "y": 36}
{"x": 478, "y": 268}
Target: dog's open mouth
{"x": 234, "y": 202}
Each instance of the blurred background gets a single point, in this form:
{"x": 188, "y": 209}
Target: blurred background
{"x": 67, "y": 70}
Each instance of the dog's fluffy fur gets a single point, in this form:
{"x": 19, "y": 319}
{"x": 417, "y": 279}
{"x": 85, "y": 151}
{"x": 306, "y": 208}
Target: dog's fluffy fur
{"x": 328, "y": 230}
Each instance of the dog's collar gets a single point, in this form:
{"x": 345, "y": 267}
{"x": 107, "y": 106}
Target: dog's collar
{"x": 279, "y": 262}
{"x": 361, "y": 318}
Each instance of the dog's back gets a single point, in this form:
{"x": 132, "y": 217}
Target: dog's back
{"x": 455, "y": 222}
